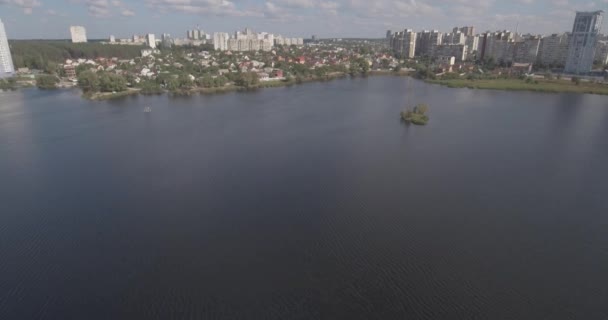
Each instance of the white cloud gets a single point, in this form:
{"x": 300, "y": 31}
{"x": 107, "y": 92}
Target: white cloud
{"x": 202, "y": 7}
{"x": 27, "y": 5}
{"x": 127, "y": 13}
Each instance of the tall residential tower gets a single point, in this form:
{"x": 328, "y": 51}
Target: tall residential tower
{"x": 7, "y": 68}
{"x": 583, "y": 41}
{"x": 78, "y": 33}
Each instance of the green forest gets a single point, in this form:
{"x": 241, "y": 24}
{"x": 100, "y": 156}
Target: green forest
{"x": 46, "y": 54}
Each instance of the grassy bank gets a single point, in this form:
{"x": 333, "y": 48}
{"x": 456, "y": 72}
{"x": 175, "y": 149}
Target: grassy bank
{"x": 389, "y": 73}
{"x": 109, "y": 95}
{"x": 553, "y": 86}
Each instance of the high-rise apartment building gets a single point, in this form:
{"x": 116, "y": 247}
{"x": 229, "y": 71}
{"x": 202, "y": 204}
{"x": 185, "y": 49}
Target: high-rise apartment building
{"x": 7, "y": 68}
{"x": 151, "y": 40}
{"x": 427, "y": 42}
{"x": 583, "y": 40}
{"x": 467, "y": 31}
{"x": 220, "y": 41}
{"x": 458, "y": 51}
{"x": 526, "y": 50}
{"x": 472, "y": 43}
{"x": 404, "y": 43}
{"x": 498, "y": 46}
{"x": 553, "y": 50}
{"x": 601, "y": 52}
{"x": 79, "y": 34}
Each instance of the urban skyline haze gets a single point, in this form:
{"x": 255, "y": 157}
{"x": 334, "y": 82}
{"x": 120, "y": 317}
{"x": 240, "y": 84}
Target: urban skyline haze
{"x": 50, "y": 19}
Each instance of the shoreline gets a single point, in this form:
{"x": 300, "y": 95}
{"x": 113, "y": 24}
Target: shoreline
{"x": 544, "y": 86}
{"x": 101, "y": 96}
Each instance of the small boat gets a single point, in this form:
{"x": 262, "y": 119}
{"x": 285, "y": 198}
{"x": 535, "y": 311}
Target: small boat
{"x": 147, "y": 109}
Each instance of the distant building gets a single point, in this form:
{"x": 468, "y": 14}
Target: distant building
{"x": 472, "y": 43}
{"x": 70, "y": 71}
{"x": 196, "y": 34}
{"x": 282, "y": 41}
{"x": 499, "y": 46}
{"x": 583, "y": 41}
{"x": 458, "y": 51}
{"x": 148, "y": 52}
{"x": 166, "y": 41}
{"x": 7, "y": 68}
{"x": 601, "y": 52}
{"x": 220, "y": 41}
{"x": 467, "y": 31}
{"x": 151, "y": 40}
{"x": 404, "y": 43}
{"x": 454, "y": 38}
{"x": 79, "y": 34}
{"x": 112, "y": 39}
{"x": 427, "y": 42}
{"x": 553, "y": 50}
{"x": 526, "y": 51}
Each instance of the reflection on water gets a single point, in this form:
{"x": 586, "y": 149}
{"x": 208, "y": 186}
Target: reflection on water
{"x": 308, "y": 202}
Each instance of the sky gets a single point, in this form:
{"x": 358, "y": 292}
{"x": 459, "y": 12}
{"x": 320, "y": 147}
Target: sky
{"x": 50, "y": 19}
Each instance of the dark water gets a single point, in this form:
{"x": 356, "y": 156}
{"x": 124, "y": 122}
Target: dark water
{"x": 310, "y": 202}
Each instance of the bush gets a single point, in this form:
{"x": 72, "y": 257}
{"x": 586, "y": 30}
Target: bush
{"x": 8, "y": 84}
{"x": 109, "y": 82}
{"x": 45, "y": 81}
{"x": 417, "y": 116}
{"x": 88, "y": 81}
{"x": 576, "y": 80}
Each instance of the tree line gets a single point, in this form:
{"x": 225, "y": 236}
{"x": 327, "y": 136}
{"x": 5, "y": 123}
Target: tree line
{"x": 47, "y": 54}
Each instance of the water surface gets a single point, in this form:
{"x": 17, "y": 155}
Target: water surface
{"x": 307, "y": 202}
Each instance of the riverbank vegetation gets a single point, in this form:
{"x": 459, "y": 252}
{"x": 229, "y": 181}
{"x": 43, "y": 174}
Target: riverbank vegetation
{"x": 46, "y": 81}
{"x": 8, "y": 84}
{"x": 417, "y": 116}
{"x": 527, "y": 84}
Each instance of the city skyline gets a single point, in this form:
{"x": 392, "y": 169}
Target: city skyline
{"x": 49, "y": 19}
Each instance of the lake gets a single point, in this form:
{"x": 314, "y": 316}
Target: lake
{"x": 305, "y": 202}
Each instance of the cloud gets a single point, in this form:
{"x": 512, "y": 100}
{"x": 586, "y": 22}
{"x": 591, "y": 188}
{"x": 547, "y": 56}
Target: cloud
{"x": 105, "y": 8}
{"x": 202, "y": 7}
{"x": 127, "y": 13}
{"x": 27, "y": 5}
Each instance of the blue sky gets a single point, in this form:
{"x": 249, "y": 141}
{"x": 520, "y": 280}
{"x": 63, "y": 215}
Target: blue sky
{"x": 26, "y": 19}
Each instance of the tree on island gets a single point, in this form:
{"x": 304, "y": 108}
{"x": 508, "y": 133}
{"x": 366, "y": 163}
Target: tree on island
{"x": 417, "y": 116}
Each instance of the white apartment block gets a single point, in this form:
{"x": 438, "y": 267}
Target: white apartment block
{"x": 601, "y": 52}
{"x": 472, "y": 43}
{"x": 79, "y": 34}
{"x": 151, "y": 40}
{"x": 427, "y": 42}
{"x": 526, "y": 51}
{"x": 281, "y": 41}
{"x": 7, "y": 68}
{"x": 458, "y": 51}
{"x": 249, "y": 45}
{"x": 220, "y": 41}
{"x": 584, "y": 37}
{"x": 404, "y": 43}
{"x": 499, "y": 46}
{"x": 454, "y": 38}
{"x": 553, "y": 50}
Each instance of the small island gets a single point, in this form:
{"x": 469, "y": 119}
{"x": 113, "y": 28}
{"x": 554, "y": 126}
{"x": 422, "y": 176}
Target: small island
{"x": 417, "y": 116}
